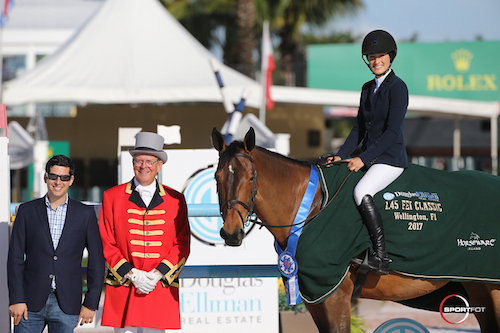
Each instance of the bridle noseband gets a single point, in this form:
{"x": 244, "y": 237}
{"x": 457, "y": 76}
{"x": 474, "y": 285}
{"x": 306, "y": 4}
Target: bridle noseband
{"x": 249, "y": 207}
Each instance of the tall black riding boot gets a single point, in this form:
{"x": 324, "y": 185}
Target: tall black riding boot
{"x": 373, "y": 221}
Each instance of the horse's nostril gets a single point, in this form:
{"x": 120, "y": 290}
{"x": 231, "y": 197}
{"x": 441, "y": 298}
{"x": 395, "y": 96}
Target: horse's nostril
{"x": 234, "y": 239}
{"x": 223, "y": 233}
{"x": 241, "y": 234}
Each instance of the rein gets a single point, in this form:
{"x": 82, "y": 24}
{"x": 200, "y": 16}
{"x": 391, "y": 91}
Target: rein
{"x": 245, "y": 221}
{"x": 309, "y": 218}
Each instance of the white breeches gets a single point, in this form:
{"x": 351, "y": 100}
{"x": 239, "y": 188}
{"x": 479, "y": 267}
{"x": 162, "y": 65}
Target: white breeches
{"x": 375, "y": 180}
{"x": 128, "y": 329}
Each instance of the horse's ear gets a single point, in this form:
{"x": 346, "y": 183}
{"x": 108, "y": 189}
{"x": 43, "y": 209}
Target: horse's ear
{"x": 218, "y": 140}
{"x": 250, "y": 139}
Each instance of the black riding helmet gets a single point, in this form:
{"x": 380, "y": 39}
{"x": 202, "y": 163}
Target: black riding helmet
{"x": 378, "y": 41}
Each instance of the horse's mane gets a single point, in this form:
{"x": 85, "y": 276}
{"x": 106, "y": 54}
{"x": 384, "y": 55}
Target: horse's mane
{"x": 233, "y": 148}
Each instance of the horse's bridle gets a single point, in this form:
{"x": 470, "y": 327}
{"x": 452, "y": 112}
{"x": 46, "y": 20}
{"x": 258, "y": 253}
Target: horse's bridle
{"x": 248, "y": 207}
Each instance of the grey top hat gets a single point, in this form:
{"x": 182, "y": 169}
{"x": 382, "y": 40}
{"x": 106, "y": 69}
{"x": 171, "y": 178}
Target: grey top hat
{"x": 149, "y": 143}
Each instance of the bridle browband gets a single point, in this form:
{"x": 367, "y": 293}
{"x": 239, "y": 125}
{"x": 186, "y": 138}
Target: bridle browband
{"x": 248, "y": 207}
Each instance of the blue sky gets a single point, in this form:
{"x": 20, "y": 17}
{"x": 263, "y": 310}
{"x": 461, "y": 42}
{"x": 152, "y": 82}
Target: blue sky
{"x": 432, "y": 20}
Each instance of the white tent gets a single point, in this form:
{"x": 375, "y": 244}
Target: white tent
{"x": 131, "y": 51}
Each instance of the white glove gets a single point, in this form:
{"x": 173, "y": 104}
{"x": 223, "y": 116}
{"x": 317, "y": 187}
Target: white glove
{"x": 142, "y": 283}
{"x": 154, "y": 276}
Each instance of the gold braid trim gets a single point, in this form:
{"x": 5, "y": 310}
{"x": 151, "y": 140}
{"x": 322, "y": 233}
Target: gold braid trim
{"x": 156, "y": 212}
{"x": 146, "y": 222}
{"x": 146, "y": 212}
{"x": 113, "y": 278}
{"x": 116, "y": 267}
{"x": 146, "y": 233}
{"x": 175, "y": 270}
{"x": 145, "y": 243}
{"x": 135, "y": 211}
{"x": 128, "y": 190}
{"x": 162, "y": 190}
{"x": 145, "y": 255}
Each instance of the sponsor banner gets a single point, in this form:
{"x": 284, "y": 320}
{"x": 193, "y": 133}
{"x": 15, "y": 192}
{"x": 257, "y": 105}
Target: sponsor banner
{"x": 466, "y": 70}
{"x": 219, "y": 305}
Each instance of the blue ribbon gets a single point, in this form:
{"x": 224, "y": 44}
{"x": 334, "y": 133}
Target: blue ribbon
{"x": 286, "y": 259}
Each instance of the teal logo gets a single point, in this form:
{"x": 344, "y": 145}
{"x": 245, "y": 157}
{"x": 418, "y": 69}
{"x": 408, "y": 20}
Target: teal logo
{"x": 401, "y": 325}
{"x": 201, "y": 188}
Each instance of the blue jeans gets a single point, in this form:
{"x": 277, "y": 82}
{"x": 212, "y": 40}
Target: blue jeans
{"x": 50, "y": 315}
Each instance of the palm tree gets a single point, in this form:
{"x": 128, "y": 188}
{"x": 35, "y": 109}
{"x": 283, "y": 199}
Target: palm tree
{"x": 245, "y": 23}
{"x": 228, "y": 24}
{"x": 288, "y": 16}
{"x": 242, "y": 20}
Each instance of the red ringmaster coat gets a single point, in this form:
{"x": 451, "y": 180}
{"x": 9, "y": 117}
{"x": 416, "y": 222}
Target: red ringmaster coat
{"x": 145, "y": 238}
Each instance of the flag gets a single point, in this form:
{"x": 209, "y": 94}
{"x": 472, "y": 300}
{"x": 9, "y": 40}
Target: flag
{"x": 7, "y": 7}
{"x": 268, "y": 64}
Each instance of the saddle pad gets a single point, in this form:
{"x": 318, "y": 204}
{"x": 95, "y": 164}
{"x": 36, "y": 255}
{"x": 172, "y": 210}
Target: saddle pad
{"x": 438, "y": 225}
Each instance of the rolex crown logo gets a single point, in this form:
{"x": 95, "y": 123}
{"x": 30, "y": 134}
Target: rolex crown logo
{"x": 462, "y": 59}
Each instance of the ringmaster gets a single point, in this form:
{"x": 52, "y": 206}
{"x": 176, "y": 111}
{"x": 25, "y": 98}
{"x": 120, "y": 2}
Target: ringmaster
{"x": 146, "y": 240}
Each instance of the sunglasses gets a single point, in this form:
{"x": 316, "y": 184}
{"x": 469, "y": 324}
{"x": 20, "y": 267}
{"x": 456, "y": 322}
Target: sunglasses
{"x": 53, "y": 176}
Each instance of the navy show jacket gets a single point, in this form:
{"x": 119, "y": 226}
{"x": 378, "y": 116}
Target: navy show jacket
{"x": 379, "y": 124}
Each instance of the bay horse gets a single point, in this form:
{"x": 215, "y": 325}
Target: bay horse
{"x": 253, "y": 179}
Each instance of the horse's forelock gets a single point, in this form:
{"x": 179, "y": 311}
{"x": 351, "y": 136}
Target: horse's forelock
{"x": 230, "y": 151}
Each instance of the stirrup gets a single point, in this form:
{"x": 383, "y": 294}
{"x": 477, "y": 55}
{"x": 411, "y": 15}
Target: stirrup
{"x": 379, "y": 265}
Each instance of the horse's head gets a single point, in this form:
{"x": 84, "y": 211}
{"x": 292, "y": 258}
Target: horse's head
{"x": 236, "y": 185}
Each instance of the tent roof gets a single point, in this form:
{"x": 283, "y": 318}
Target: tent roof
{"x": 422, "y": 105}
{"x": 51, "y": 14}
{"x": 131, "y": 51}
{"x": 134, "y": 51}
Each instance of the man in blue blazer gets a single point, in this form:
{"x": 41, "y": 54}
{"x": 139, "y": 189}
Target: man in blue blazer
{"x": 48, "y": 239}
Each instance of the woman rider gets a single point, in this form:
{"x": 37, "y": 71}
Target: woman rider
{"x": 379, "y": 127}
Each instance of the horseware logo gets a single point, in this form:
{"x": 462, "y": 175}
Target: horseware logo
{"x": 462, "y": 59}
{"x": 474, "y": 243}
